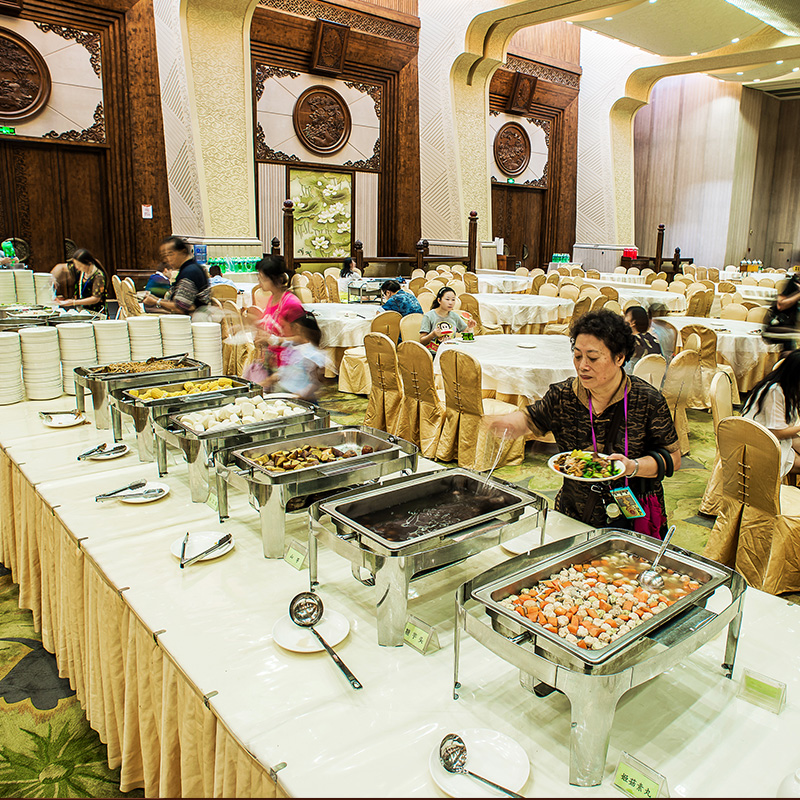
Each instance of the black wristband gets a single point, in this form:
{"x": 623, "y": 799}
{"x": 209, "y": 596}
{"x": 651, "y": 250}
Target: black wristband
{"x": 660, "y": 464}
{"x": 668, "y": 462}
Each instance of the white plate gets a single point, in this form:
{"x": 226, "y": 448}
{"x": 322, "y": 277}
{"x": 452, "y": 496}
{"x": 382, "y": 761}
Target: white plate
{"x": 551, "y": 464}
{"x": 491, "y": 755}
{"x": 64, "y": 421}
{"x": 524, "y": 543}
{"x": 199, "y": 541}
{"x": 149, "y": 485}
{"x": 333, "y": 627}
{"x": 111, "y": 456}
{"x": 527, "y": 346}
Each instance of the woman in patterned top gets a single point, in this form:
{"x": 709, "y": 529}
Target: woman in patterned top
{"x": 90, "y": 283}
{"x": 588, "y": 408}
{"x": 396, "y": 300}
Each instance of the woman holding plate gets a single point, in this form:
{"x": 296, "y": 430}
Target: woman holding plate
{"x": 603, "y": 410}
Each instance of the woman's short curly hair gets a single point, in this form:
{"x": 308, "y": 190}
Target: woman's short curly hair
{"x": 607, "y": 326}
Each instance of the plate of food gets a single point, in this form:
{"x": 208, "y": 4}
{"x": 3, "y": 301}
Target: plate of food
{"x": 583, "y": 465}
{"x": 66, "y": 420}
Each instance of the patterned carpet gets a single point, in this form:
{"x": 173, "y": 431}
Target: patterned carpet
{"x": 47, "y": 748}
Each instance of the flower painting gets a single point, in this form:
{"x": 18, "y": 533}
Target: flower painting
{"x": 322, "y": 213}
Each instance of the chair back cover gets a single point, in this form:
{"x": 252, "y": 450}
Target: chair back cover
{"x": 421, "y": 410}
{"x": 386, "y": 393}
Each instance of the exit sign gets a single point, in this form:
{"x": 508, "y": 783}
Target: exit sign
{"x": 4, "y": 129}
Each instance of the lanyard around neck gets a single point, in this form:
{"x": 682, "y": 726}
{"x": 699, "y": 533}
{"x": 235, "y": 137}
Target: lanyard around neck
{"x": 625, "y": 410}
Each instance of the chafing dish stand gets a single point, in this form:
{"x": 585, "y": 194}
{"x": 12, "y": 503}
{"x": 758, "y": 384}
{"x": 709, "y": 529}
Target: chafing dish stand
{"x": 594, "y": 687}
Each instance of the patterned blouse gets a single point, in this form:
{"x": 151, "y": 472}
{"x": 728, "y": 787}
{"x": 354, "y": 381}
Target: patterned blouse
{"x": 93, "y": 286}
{"x": 564, "y": 412}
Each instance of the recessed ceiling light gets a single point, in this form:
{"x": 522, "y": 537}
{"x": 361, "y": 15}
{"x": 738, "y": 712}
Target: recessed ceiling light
{"x": 757, "y": 80}
{"x": 692, "y": 54}
{"x": 796, "y": 69}
{"x": 779, "y": 62}
{"x": 733, "y": 41}
{"x": 652, "y": 1}
{"x": 608, "y": 19}
{"x": 569, "y": 22}
{"x": 740, "y": 73}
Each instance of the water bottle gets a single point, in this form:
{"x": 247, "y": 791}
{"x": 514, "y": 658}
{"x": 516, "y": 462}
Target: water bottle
{"x": 8, "y": 250}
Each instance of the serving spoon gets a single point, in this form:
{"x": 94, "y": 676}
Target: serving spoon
{"x": 453, "y": 757}
{"x": 306, "y": 610}
{"x": 650, "y": 578}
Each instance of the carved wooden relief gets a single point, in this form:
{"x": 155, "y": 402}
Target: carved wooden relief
{"x": 11, "y": 7}
{"x": 24, "y": 78}
{"x": 322, "y": 120}
{"x": 330, "y": 47}
{"x": 512, "y": 149}
{"x": 522, "y": 90}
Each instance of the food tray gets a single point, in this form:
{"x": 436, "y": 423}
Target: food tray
{"x": 235, "y": 389}
{"x": 100, "y": 372}
{"x": 348, "y": 513}
{"x": 505, "y": 619}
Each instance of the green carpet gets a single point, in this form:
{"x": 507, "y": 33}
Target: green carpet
{"x": 47, "y": 748}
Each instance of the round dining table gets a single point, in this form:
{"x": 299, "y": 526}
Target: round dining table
{"x": 522, "y": 313}
{"x": 517, "y": 368}
{"x": 496, "y": 281}
{"x": 342, "y": 325}
{"x": 619, "y": 279}
{"x": 645, "y": 296}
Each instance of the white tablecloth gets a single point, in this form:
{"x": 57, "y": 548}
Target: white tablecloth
{"x": 645, "y": 296}
{"x": 493, "y": 284}
{"x": 738, "y": 342}
{"x": 217, "y": 619}
{"x": 618, "y": 278}
{"x": 518, "y": 364}
{"x": 519, "y": 310}
{"x": 343, "y": 324}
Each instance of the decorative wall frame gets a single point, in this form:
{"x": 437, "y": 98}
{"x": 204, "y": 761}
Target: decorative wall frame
{"x": 322, "y": 120}
{"x": 330, "y": 47}
{"x": 522, "y": 91}
{"x": 24, "y": 78}
{"x": 512, "y": 149}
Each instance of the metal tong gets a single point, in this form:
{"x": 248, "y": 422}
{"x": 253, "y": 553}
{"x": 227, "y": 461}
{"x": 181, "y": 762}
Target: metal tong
{"x": 221, "y": 543}
{"x": 48, "y": 415}
{"x": 132, "y": 486}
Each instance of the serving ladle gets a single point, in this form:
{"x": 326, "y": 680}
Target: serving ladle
{"x": 650, "y": 578}
{"x": 306, "y": 610}
{"x": 453, "y": 757}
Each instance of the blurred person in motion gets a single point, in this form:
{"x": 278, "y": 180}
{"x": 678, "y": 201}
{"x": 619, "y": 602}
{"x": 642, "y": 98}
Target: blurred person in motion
{"x": 191, "y": 293}
{"x": 645, "y": 342}
{"x": 349, "y": 269}
{"x": 303, "y": 362}
{"x": 781, "y": 324}
{"x": 159, "y": 283}
{"x": 662, "y": 330}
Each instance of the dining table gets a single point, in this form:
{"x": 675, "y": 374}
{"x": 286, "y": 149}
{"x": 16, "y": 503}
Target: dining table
{"x": 516, "y": 368}
{"x": 645, "y": 296}
{"x": 619, "y": 279}
{"x": 342, "y": 325}
{"x": 496, "y": 281}
{"x": 522, "y": 313}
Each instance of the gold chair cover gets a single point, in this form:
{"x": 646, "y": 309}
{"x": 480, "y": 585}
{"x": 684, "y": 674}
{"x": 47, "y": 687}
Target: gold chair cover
{"x": 700, "y": 396}
{"x": 758, "y": 527}
{"x": 678, "y": 382}
{"x": 386, "y": 392}
{"x": 464, "y": 437}
{"x": 721, "y": 408}
{"x": 421, "y": 410}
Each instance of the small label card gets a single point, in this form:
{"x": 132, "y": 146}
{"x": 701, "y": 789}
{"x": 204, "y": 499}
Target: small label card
{"x": 763, "y": 691}
{"x": 212, "y": 501}
{"x": 636, "y": 779}
{"x": 296, "y": 554}
{"x": 420, "y": 636}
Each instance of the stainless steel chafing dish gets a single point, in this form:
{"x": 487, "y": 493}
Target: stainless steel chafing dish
{"x": 271, "y": 491}
{"x": 144, "y": 411}
{"x": 199, "y": 448}
{"x": 101, "y": 383}
{"x": 595, "y": 680}
{"x": 350, "y": 524}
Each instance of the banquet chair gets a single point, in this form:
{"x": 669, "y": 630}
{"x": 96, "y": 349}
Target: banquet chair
{"x": 458, "y": 269}
{"x": 677, "y": 287}
{"x": 259, "y": 297}
{"x": 224, "y": 292}
{"x": 633, "y": 271}
{"x": 650, "y": 277}
{"x": 659, "y": 286}
{"x": 713, "y": 274}
{"x": 610, "y": 292}
{"x": 416, "y": 285}
{"x": 709, "y": 285}
{"x": 133, "y": 308}
{"x": 563, "y": 270}
{"x": 620, "y": 270}
{"x": 598, "y": 302}
{"x": 651, "y": 368}
{"x": 554, "y": 277}
{"x": 471, "y": 282}
{"x": 386, "y": 392}
{"x": 690, "y": 269}
{"x": 116, "y": 285}
{"x": 318, "y": 289}
{"x": 630, "y": 304}
{"x": 750, "y": 305}
{"x": 536, "y": 283}
{"x": 130, "y": 284}
{"x": 769, "y": 283}
{"x": 708, "y": 365}
{"x": 422, "y": 405}
{"x": 721, "y": 408}
{"x": 662, "y": 276}
{"x": 613, "y": 306}
{"x": 576, "y": 272}
{"x": 694, "y": 287}
{"x": 592, "y": 273}
{"x": 734, "y": 311}
{"x": 678, "y": 383}
{"x": 582, "y": 305}
{"x": 570, "y": 291}
{"x": 299, "y": 279}
{"x": 578, "y": 281}
{"x": 464, "y": 436}
{"x": 749, "y": 280}
{"x": 354, "y": 373}
{"x": 431, "y": 273}
{"x": 521, "y": 271}
{"x": 417, "y": 273}
{"x": 409, "y": 327}
{"x": 304, "y": 295}
{"x": 759, "y": 314}
{"x": 459, "y": 287}
{"x": 696, "y": 303}
{"x": 469, "y": 303}
{"x": 647, "y": 271}
{"x": 425, "y": 299}
{"x": 536, "y": 271}
{"x": 726, "y": 286}
{"x": 333, "y": 271}
{"x": 701, "y": 273}
{"x": 758, "y": 526}
{"x": 548, "y": 290}
{"x": 332, "y": 289}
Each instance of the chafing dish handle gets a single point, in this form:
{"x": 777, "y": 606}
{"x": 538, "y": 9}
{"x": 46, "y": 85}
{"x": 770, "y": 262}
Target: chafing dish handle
{"x": 193, "y": 398}
{"x": 341, "y": 468}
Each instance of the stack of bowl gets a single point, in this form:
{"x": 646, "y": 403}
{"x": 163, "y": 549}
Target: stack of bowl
{"x": 176, "y": 334}
{"x": 8, "y": 294}
{"x": 45, "y": 287}
{"x": 41, "y": 363}
{"x": 144, "y": 332}
{"x": 76, "y": 342}
{"x": 111, "y": 338}
{"x": 10, "y": 368}
{"x": 25, "y": 287}
{"x": 208, "y": 344}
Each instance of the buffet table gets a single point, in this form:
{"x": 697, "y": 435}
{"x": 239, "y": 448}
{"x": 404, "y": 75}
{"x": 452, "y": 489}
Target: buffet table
{"x": 178, "y": 670}
{"x": 517, "y": 368}
{"x": 522, "y": 313}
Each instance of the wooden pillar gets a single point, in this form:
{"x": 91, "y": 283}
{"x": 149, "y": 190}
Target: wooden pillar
{"x": 659, "y": 246}
{"x": 472, "y": 241}
{"x": 288, "y": 234}
{"x": 358, "y": 255}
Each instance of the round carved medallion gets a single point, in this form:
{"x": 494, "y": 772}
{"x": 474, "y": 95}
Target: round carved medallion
{"x": 512, "y": 148}
{"x": 322, "y": 120}
{"x": 24, "y": 78}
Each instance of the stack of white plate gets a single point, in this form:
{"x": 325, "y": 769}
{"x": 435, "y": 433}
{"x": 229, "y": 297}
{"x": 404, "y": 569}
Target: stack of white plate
{"x": 45, "y": 287}
{"x": 111, "y": 338}
{"x": 41, "y": 362}
{"x": 10, "y": 368}
{"x": 8, "y": 294}
{"x": 76, "y": 342}
{"x": 25, "y": 287}
{"x": 176, "y": 334}
{"x": 144, "y": 332}
{"x": 208, "y": 344}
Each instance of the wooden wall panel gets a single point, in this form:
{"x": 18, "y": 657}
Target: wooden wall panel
{"x": 390, "y": 9}
{"x": 550, "y": 42}
{"x": 519, "y": 212}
